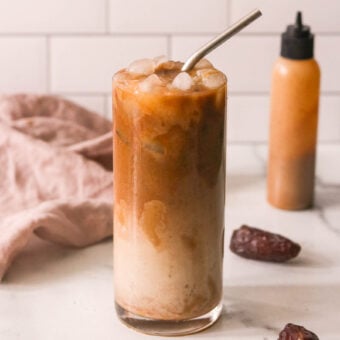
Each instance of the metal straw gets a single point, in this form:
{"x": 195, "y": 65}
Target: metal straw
{"x": 220, "y": 39}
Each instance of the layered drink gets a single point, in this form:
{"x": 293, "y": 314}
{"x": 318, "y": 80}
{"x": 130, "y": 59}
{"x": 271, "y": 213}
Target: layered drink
{"x": 169, "y": 188}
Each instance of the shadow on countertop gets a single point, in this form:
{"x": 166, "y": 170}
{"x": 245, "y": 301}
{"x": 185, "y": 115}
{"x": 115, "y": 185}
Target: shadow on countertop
{"x": 260, "y": 312}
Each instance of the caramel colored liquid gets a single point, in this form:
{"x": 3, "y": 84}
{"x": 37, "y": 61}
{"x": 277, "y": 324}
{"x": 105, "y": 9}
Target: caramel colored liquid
{"x": 293, "y": 133}
{"x": 169, "y": 185}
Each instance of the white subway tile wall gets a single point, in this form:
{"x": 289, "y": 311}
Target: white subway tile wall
{"x": 95, "y": 103}
{"x": 23, "y": 64}
{"x": 52, "y": 16}
{"x": 322, "y": 15}
{"x": 157, "y": 16}
{"x": 72, "y": 47}
{"x": 86, "y": 64}
{"x": 246, "y": 61}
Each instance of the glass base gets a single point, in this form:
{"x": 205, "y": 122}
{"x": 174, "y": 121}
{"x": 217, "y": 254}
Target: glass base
{"x": 168, "y": 327}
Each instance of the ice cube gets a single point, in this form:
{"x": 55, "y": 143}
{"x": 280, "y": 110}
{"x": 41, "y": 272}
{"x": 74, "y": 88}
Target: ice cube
{"x": 211, "y": 78}
{"x": 203, "y": 63}
{"x": 169, "y": 65}
{"x": 182, "y": 81}
{"x": 142, "y": 67}
{"x": 149, "y": 83}
{"x": 119, "y": 76}
{"x": 160, "y": 60}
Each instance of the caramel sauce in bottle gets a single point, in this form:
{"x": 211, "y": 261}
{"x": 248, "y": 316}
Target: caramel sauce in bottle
{"x": 294, "y": 120}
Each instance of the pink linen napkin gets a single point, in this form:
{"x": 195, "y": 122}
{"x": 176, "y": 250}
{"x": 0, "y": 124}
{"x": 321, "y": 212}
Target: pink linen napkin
{"x": 55, "y": 174}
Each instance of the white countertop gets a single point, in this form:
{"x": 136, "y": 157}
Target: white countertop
{"x": 60, "y": 294}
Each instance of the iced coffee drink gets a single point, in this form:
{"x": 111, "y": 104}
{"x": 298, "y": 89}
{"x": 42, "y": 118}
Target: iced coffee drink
{"x": 169, "y": 186}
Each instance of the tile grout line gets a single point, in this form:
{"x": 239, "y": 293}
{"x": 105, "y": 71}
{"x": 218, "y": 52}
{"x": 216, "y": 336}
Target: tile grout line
{"x": 82, "y": 94}
{"x": 169, "y": 46}
{"x": 107, "y": 16}
{"x": 149, "y": 34}
{"x": 228, "y": 12}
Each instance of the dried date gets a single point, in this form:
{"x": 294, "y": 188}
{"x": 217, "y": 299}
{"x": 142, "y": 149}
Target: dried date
{"x": 295, "y": 332}
{"x": 257, "y": 244}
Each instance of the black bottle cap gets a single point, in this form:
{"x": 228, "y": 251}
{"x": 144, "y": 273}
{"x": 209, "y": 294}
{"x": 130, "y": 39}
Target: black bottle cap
{"x": 298, "y": 41}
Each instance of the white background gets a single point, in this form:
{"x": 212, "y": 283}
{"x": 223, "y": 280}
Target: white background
{"x": 72, "y": 48}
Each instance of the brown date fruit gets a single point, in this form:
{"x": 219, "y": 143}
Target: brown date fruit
{"x": 257, "y": 244}
{"x": 295, "y": 332}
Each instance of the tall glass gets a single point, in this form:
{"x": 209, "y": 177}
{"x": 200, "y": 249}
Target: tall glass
{"x": 169, "y": 189}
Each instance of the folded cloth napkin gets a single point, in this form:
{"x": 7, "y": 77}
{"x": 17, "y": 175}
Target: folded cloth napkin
{"x": 55, "y": 174}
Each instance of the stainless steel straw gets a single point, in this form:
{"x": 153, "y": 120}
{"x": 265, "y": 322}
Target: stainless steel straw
{"x": 220, "y": 39}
